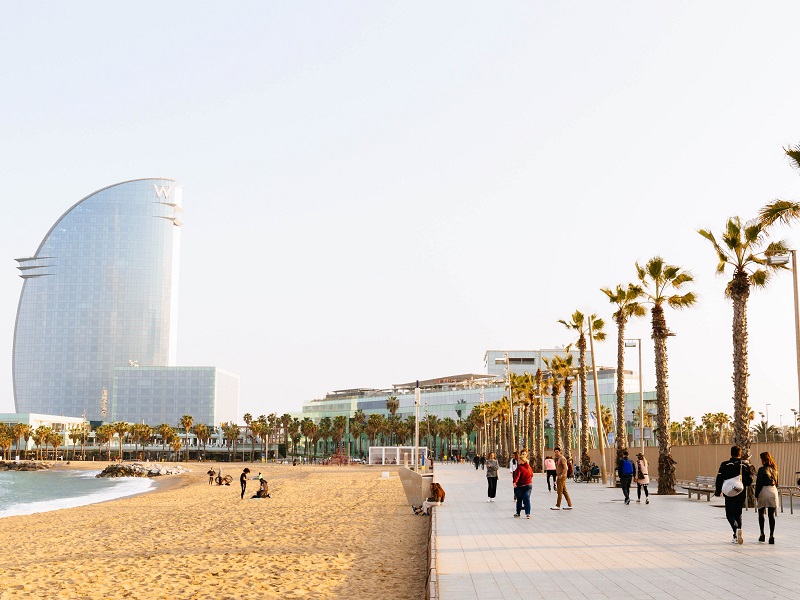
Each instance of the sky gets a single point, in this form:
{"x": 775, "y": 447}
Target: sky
{"x": 377, "y": 192}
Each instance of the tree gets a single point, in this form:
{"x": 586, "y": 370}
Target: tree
{"x": 659, "y": 280}
{"x": 22, "y": 430}
{"x": 248, "y": 433}
{"x": 285, "y": 420}
{"x": 54, "y": 439}
{"x": 581, "y": 324}
{"x": 202, "y": 433}
{"x": 166, "y": 433}
{"x": 360, "y": 421}
{"x": 374, "y": 425}
{"x": 740, "y": 248}
{"x": 325, "y": 427}
{"x": 392, "y": 405}
{"x": 309, "y": 429}
{"x": 6, "y": 439}
{"x": 556, "y": 385}
{"x": 186, "y": 422}
{"x": 628, "y": 306}
{"x": 104, "y": 434}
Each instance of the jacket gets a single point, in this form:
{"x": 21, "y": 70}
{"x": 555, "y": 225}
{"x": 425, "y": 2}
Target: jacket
{"x": 523, "y": 475}
{"x": 763, "y": 480}
{"x": 730, "y": 468}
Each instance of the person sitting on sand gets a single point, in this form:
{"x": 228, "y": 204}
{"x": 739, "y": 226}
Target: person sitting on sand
{"x": 263, "y": 491}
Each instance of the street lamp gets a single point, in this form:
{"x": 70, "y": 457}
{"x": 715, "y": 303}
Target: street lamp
{"x": 630, "y": 344}
{"x": 783, "y": 260}
{"x": 794, "y": 410}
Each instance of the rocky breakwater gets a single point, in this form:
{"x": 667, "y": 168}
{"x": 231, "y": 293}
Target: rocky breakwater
{"x": 140, "y": 470}
{"x": 22, "y": 465}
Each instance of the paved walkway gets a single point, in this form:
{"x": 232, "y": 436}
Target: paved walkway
{"x": 671, "y": 548}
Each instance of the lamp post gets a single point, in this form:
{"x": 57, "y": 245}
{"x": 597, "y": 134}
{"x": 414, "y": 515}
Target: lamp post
{"x": 782, "y": 260}
{"x": 630, "y": 344}
{"x": 794, "y": 410}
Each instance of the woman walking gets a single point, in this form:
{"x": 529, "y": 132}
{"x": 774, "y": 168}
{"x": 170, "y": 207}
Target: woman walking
{"x": 642, "y": 478}
{"x": 523, "y": 483}
{"x": 491, "y": 475}
{"x": 734, "y": 503}
{"x": 550, "y": 469}
{"x": 767, "y": 494}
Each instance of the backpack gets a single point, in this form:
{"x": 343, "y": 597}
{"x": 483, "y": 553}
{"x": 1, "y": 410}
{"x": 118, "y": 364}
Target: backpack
{"x": 627, "y": 467}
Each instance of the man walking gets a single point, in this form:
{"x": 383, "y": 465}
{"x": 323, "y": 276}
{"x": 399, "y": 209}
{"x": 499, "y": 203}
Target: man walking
{"x": 561, "y": 481}
{"x": 625, "y": 470}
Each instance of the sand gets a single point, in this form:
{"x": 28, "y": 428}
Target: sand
{"x": 327, "y": 532}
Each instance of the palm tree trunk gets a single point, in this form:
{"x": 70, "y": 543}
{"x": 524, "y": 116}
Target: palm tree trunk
{"x": 666, "y": 464}
{"x": 741, "y": 430}
{"x": 585, "y": 459}
{"x": 568, "y": 419}
{"x": 622, "y": 434}
{"x": 556, "y": 423}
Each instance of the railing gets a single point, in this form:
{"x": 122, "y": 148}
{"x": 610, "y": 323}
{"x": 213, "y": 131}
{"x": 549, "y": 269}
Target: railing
{"x": 793, "y": 491}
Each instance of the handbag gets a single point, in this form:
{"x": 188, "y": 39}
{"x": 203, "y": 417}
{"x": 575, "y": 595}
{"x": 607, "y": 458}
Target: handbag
{"x": 734, "y": 485}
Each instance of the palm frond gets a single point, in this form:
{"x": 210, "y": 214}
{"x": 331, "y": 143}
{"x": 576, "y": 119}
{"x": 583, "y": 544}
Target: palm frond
{"x": 779, "y": 211}
{"x": 794, "y": 156}
{"x": 683, "y": 277}
{"x": 759, "y": 278}
{"x": 684, "y": 301}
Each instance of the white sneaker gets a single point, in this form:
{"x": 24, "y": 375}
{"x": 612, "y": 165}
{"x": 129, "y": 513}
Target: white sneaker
{"x": 488, "y": 500}
{"x": 735, "y": 541}
{"x": 555, "y": 508}
{"x": 567, "y": 508}
{"x": 739, "y": 538}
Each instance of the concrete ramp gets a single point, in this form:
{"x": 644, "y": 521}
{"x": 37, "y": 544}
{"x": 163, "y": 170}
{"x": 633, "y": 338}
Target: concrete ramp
{"x": 416, "y": 486}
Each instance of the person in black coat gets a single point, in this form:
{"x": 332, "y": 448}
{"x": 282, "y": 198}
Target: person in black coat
{"x": 734, "y": 504}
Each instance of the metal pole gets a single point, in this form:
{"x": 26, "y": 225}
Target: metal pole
{"x": 641, "y": 398}
{"x": 600, "y": 443}
{"x": 416, "y": 428}
{"x": 511, "y": 406}
{"x": 796, "y": 320}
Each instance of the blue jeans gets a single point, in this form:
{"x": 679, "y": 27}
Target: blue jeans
{"x": 523, "y": 496}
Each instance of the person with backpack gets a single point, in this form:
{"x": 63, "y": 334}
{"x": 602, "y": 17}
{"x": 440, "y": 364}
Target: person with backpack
{"x": 625, "y": 469}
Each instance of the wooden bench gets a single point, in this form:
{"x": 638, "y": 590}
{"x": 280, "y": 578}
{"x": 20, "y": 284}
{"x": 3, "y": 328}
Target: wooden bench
{"x": 701, "y": 485}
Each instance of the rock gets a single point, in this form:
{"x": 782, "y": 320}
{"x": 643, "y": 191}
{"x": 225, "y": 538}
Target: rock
{"x": 140, "y": 470}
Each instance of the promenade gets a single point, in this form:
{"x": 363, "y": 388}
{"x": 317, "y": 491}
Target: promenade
{"x": 671, "y": 548}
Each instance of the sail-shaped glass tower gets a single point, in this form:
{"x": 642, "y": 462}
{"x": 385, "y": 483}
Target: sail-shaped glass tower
{"x": 99, "y": 293}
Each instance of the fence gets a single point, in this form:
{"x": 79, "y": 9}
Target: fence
{"x": 692, "y": 461}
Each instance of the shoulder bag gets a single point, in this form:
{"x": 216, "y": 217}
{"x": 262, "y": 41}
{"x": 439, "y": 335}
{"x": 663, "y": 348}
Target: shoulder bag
{"x": 734, "y": 485}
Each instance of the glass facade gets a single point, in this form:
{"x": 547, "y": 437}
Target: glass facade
{"x": 164, "y": 394}
{"x": 99, "y": 293}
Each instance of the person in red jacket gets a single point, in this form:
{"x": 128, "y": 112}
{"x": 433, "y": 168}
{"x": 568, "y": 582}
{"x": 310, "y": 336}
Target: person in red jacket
{"x": 523, "y": 483}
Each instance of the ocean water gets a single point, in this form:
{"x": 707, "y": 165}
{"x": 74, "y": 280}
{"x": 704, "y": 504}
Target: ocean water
{"x": 28, "y": 492}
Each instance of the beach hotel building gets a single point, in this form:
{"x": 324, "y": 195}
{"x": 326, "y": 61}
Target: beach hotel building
{"x": 96, "y": 326}
{"x": 455, "y": 396}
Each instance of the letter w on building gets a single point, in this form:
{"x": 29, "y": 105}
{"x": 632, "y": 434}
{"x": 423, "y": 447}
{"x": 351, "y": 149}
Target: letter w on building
{"x": 163, "y": 192}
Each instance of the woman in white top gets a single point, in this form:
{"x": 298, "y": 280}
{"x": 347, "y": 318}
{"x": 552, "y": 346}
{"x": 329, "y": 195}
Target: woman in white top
{"x": 642, "y": 478}
{"x": 512, "y": 466}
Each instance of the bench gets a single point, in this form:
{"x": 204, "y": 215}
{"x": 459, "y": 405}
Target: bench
{"x": 701, "y": 485}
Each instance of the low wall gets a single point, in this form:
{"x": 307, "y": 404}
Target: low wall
{"x": 705, "y": 459}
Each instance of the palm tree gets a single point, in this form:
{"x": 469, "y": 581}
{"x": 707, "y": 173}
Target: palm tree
{"x": 248, "y": 433}
{"x": 186, "y": 422}
{"x": 284, "y": 420}
{"x": 202, "y": 433}
{"x": 6, "y": 439}
{"x": 325, "y": 428}
{"x": 578, "y": 322}
{"x": 166, "y": 433}
{"x": 556, "y": 385}
{"x": 309, "y": 429}
{"x": 764, "y": 432}
{"x": 104, "y": 434}
{"x": 628, "y": 305}
{"x": 55, "y": 439}
{"x": 448, "y": 428}
{"x": 22, "y": 430}
{"x": 740, "y": 248}
{"x": 120, "y": 428}
{"x": 659, "y": 280}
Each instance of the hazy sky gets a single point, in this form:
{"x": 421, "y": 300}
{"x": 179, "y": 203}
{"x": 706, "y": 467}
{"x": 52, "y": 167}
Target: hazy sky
{"x": 381, "y": 191}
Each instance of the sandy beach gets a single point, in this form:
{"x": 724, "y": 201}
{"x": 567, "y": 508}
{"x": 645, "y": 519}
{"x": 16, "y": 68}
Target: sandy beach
{"x": 327, "y": 532}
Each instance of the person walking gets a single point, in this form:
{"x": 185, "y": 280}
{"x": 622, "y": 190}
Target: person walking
{"x": 523, "y": 484}
{"x": 625, "y": 470}
{"x": 767, "y": 494}
{"x": 512, "y": 466}
{"x": 243, "y": 480}
{"x": 734, "y": 468}
{"x": 483, "y": 461}
{"x": 561, "y": 481}
{"x": 491, "y": 475}
{"x": 476, "y": 461}
{"x": 642, "y": 478}
{"x": 550, "y": 469}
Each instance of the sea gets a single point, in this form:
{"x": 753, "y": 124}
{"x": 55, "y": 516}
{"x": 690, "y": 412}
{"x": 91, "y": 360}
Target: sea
{"x": 28, "y": 492}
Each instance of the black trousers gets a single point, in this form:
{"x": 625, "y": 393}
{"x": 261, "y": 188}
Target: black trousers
{"x": 625, "y": 482}
{"x": 733, "y": 510}
{"x": 551, "y": 473}
{"x": 492, "y": 486}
